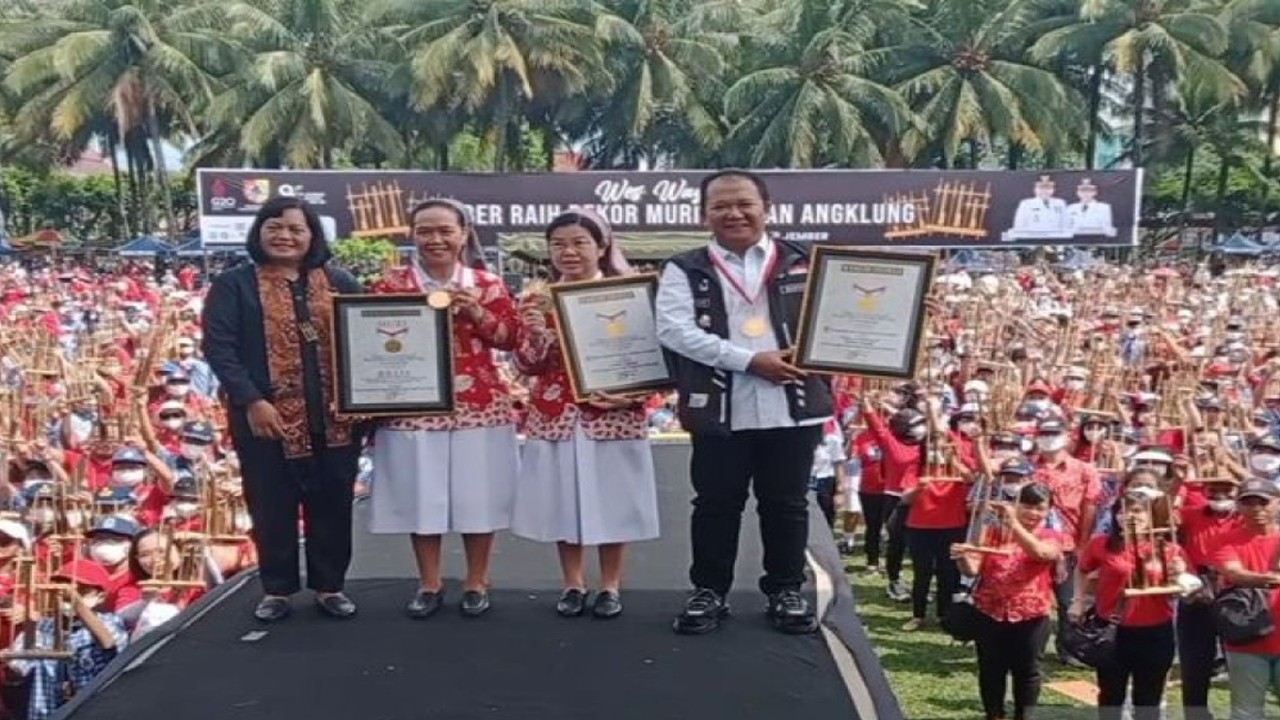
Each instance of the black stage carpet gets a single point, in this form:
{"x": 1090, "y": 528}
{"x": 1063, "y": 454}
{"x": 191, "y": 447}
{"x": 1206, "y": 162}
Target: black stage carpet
{"x": 520, "y": 662}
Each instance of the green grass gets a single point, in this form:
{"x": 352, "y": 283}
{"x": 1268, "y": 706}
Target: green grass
{"x": 935, "y": 678}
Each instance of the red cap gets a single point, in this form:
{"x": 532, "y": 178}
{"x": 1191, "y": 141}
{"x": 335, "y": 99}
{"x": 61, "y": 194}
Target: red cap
{"x": 84, "y": 572}
{"x": 1039, "y": 385}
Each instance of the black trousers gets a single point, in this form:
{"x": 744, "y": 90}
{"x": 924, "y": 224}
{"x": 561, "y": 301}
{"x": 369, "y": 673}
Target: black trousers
{"x": 1141, "y": 665}
{"x": 824, "y": 492}
{"x": 1008, "y": 649}
{"x": 874, "y": 517}
{"x": 1197, "y": 654}
{"x": 775, "y": 464}
{"x": 931, "y": 557}
{"x": 896, "y": 547}
{"x": 275, "y": 489}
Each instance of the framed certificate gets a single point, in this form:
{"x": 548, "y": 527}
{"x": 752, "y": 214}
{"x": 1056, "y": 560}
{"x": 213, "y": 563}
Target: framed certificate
{"x": 609, "y": 336}
{"x": 863, "y": 312}
{"x": 392, "y": 356}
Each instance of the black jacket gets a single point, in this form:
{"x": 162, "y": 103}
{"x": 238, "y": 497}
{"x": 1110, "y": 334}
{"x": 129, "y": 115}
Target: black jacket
{"x": 235, "y": 341}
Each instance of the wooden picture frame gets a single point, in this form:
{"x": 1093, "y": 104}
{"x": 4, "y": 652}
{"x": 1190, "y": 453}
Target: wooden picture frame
{"x": 864, "y": 312}
{"x": 407, "y": 374}
{"x": 608, "y": 336}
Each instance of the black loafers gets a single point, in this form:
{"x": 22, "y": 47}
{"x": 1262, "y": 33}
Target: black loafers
{"x": 608, "y": 605}
{"x": 272, "y": 609}
{"x": 424, "y": 604}
{"x": 474, "y": 603}
{"x": 572, "y": 603}
{"x": 337, "y": 606}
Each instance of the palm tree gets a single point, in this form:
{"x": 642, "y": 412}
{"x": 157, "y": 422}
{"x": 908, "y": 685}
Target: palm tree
{"x": 810, "y": 101}
{"x": 965, "y": 73}
{"x": 667, "y": 68}
{"x": 314, "y": 81}
{"x": 138, "y": 69}
{"x": 490, "y": 58}
{"x": 1151, "y": 43}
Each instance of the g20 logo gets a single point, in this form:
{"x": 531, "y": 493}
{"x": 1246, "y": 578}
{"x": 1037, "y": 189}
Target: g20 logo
{"x": 222, "y": 203}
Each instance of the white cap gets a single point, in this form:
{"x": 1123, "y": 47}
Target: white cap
{"x": 976, "y": 386}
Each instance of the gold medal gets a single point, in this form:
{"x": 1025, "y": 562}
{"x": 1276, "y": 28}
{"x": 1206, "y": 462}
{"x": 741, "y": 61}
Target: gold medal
{"x": 439, "y": 299}
{"x": 617, "y": 328}
{"x": 393, "y": 346}
{"x": 755, "y": 327}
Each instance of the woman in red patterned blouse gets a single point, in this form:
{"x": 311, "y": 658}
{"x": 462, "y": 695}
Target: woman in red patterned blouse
{"x": 452, "y": 473}
{"x": 1014, "y": 595}
{"x": 587, "y": 472}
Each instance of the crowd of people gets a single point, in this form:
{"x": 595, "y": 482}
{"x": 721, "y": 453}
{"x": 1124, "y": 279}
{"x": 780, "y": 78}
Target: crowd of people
{"x": 1080, "y": 451}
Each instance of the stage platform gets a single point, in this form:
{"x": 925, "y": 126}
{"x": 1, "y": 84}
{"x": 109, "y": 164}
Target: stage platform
{"x": 519, "y": 662}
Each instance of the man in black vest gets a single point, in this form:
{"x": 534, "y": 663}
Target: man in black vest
{"x": 728, "y": 313}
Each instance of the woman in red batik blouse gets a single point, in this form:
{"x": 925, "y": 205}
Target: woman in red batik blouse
{"x": 1014, "y": 596}
{"x": 587, "y": 472}
{"x": 453, "y": 473}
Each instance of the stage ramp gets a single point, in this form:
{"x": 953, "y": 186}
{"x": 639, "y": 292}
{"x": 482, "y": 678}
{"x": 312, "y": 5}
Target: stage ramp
{"x": 519, "y": 662}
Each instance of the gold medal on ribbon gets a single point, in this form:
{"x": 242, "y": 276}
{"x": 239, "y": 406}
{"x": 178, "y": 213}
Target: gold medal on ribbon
{"x": 755, "y": 326}
{"x": 439, "y": 299}
{"x": 393, "y": 346}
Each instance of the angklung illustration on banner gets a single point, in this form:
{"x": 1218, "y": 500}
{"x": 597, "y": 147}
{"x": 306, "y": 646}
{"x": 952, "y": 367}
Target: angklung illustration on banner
{"x": 882, "y": 208}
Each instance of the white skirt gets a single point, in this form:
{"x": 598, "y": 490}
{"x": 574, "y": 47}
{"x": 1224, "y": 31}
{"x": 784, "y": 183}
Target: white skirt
{"x": 433, "y": 482}
{"x": 586, "y": 492}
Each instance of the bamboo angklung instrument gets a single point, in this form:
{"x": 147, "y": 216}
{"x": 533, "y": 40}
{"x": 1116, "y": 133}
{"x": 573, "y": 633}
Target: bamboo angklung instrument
{"x": 1148, "y": 547}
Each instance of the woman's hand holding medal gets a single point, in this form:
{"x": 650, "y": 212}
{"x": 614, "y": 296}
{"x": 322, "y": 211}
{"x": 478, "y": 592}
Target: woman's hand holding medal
{"x": 466, "y": 302}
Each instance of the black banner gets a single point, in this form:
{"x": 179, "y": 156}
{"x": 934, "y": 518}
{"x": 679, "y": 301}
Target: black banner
{"x": 880, "y": 208}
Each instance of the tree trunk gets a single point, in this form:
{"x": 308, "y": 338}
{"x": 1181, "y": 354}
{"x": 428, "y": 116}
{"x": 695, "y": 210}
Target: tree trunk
{"x": 1139, "y": 110}
{"x": 1273, "y": 119}
{"x": 442, "y": 156}
{"x": 1186, "y": 181}
{"x": 1095, "y": 106}
{"x": 162, "y": 172}
{"x": 122, "y": 217}
{"x": 1014, "y": 157}
{"x": 1220, "y": 201}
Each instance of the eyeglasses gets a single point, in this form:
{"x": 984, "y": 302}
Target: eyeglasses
{"x": 172, "y": 416}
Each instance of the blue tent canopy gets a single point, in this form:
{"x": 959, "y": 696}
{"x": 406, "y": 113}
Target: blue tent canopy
{"x": 1238, "y": 244}
{"x": 144, "y": 246}
{"x": 192, "y": 247}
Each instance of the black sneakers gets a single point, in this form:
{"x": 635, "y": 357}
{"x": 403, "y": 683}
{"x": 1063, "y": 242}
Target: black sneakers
{"x": 702, "y": 613}
{"x": 789, "y": 612}
{"x": 572, "y": 603}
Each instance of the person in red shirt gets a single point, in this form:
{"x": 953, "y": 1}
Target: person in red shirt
{"x": 1144, "y": 646}
{"x": 1249, "y": 556}
{"x": 936, "y": 519}
{"x": 1014, "y": 594}
{"x": 109, "y": 542}
{"x": 900, "y": 441}
{"x": 876, "y": 503}
{"x": 1076, "y": 490}
{"x": 1205, "y": 519}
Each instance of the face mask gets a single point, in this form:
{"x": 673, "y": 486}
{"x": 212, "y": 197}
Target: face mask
{"x": 1094, "y": 434}
{"x": 1266, "y": 464}
{"x": 74, "y": 518}
{"x": 186, "y": 352}
{"x": 192, "y": 451}
{"x": 1051, "y": 443}
{"x": 1010, "y": 491}
{"x": 1074, "y": 384}
{"x": 186, "y": 510}
{"x": 178, "y": 390}
{"x": 975, "y": 398}
{"x": 968, "y": 428}
{"x": 109, "y": 552}
{"x": 1039, "y": 404}
{"x": 175, "y": 424}
{"x": 242, "y": 522}
{"x": 1222, "y": 506}
{"x": 917, "y": 432}
{"x": 43, "y": 515}
{"x": 129, "y": 478}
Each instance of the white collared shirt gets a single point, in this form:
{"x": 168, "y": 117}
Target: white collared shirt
{"x": 755, "y": 403}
